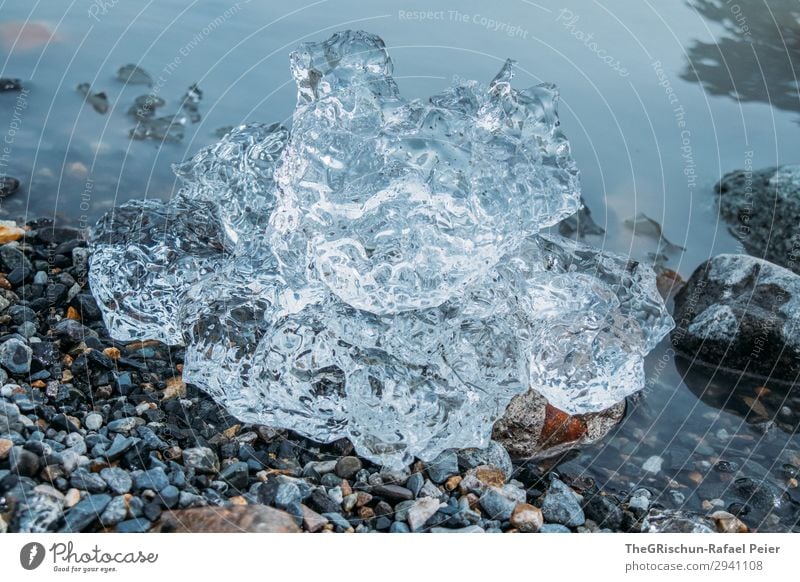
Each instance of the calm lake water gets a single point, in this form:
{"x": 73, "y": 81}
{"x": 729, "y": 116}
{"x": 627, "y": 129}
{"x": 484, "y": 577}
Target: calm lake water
{"x": 659, "y": 99}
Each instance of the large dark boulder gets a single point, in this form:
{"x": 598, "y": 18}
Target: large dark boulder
{"x": 763, "y": 208}
{"x": 741, "y": 313}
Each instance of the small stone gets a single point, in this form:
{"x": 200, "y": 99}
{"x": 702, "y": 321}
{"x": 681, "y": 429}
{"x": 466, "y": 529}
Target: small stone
{"x": 155, "y": 479}
{"x": 85, "y": 512}
{"x": 347, "y": 467}
{"x": 554, "y": 528}
{"x": 414, "y": 483}
{"x": 235, "y": 475}
{"x": 201, "y": 459}
{"x": 640, "y": 501}
{"x": 495, "y": 454}
{"x": 313, "y": 521}
{"x": 15, "y": 356}
{"x": 5, "y": 448}
{"x": 124, "y": 425}
{"x": 93, "y": 421}
{"x": 10, "y": 233}
{"x": 393, "y": 492}
{"x": 86, "y": 481}
{"x": 561, "y": 505}
{"x": 286, "y": 495}
{"x": 170, "y": 496}
{"x": 23, "y": 462}
{"x": 604, "y": 512}
{"x": 118, "y": 480}
{"x": 452, "y": 483}
{"x": 653, "y": 464}
{"x": 470, "y": 529}
{"x": 338, "y": 520}
{"x": 421, "y": 511}
{"x": 115, "y": 511}
{"x": 527, "y": 518}
{"x": 488, "y": 476}
{"x": 71, "y": 497}
{"x": 136, "y": 525}
{"x": 442, "y": 467}
{"x": 497, "y": 504}
{"x": 728, "y": 523}
{"x": 399, "y": 527}
{"x": 119, "y": 446}
{"x": 176, "y": 388}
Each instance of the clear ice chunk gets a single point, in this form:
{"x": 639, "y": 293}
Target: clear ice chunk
{"x": 379, "y": 272}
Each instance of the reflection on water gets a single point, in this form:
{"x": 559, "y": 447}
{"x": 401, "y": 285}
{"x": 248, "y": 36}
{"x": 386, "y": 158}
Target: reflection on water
{"x": 761, "y": 402}
{"x": 757, "y": 59}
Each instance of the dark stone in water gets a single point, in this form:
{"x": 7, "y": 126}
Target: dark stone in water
{"x": 737, "y": 311}
{"x": 7, "y": 85}
{"x": 8, "y": 185}
{"x": 763, "y": 208}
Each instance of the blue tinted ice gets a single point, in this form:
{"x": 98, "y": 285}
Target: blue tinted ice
{"x": 378, "y": 272}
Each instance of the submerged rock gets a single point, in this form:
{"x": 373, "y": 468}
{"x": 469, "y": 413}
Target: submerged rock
{"x": 8, "y": 85}
{"x": 379, "y": 273}
{"x": 763, "y": 208}
{"x": 741, "y": 313}
{"x": 134, "y": 75}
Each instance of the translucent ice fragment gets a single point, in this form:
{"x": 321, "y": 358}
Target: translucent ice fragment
{"x": 378, "y": 273}
{"x": 235, "y": 174}
{"x": 145, "y": 256}
{"x": 403, "y": 204}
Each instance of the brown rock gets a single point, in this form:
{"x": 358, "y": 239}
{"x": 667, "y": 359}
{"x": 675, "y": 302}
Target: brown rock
{"x": 10, "y": 233}
{"x": 72, "y": 497}
{"x": 72, "y": 313}
{"x": 237, "y": 518}
{"x": 488, "y": 475}
{"x": 362, "y": 498}
{"x": 176, "y": 388}
{"x": 452, "y": 483}
{"x": 527, "y": 518}
{"x": 366, "y": 513}
{"x": 728, "y": 523}
{"x": 669, "y": 282}
{"x": 313, "y": 521}
{"x": 112, "y": 353}
{"x": 532, "y": 428}
{"x": 229, "y": 432}
{"x": 5, "y": 448}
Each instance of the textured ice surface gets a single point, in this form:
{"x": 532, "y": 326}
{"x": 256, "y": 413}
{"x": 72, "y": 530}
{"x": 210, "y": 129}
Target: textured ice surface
{"x": 378, "y": 273}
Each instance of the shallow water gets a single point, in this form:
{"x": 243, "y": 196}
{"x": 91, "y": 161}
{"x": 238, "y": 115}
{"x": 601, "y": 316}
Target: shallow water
{"x": 646, "y": 134}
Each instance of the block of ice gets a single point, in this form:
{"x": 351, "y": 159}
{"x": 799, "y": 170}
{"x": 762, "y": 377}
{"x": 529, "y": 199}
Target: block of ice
{"x": 379, "y": 271}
